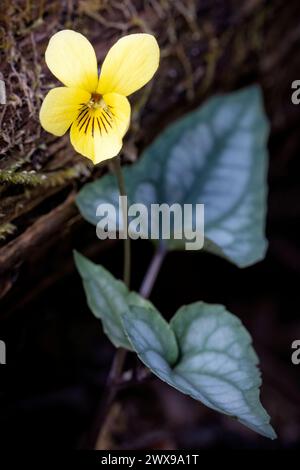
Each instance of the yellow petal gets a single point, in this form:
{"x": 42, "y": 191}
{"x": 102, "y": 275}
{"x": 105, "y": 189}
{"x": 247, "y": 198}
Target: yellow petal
{"x": 72, "y": 59}
{"x": 129, "y": 64}
{"x": 97, "y": 132}
{"x": 120, "y": 109}
{"x": 82, "y": 141}
{"x": 106, "y": 146}
{"x": 60, "y": 108}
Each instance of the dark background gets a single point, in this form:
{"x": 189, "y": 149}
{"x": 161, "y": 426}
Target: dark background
{"x": 57, "y": 356}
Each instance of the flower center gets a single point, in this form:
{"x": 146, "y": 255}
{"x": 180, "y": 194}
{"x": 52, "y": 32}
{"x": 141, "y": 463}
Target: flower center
{"x": 97, "y": 102}
{"x": 95, "y": 115}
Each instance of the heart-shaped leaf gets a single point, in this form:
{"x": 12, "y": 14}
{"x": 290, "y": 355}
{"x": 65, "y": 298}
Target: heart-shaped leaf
{"x": 216, "y": 156}
{"x": 215, "y": 364}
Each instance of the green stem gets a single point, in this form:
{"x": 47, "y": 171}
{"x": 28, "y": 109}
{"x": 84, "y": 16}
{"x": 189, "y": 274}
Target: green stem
{"x": 127, "y": 255}
{"x": 120, "y": 356}
{"x": 99, "y": 425}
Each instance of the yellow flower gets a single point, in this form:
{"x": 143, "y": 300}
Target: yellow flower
{"x": 96, "y": 108}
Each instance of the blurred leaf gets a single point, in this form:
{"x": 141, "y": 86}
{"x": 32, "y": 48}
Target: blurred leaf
{"x": 215, "y": 363}
{"x": 216, "y": 155}
{"x": 107, "y": 298}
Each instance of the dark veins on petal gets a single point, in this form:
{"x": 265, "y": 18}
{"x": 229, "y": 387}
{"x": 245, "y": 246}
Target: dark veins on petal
{"x": 85, "y": 117}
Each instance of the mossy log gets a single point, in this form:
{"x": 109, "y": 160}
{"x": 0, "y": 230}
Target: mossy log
{"x": 206, "y": 47}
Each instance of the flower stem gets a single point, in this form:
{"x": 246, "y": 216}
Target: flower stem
{"x": 122, "y": 189}
{"x": 99, "y": 429}
{"x": 120, "y": 356}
